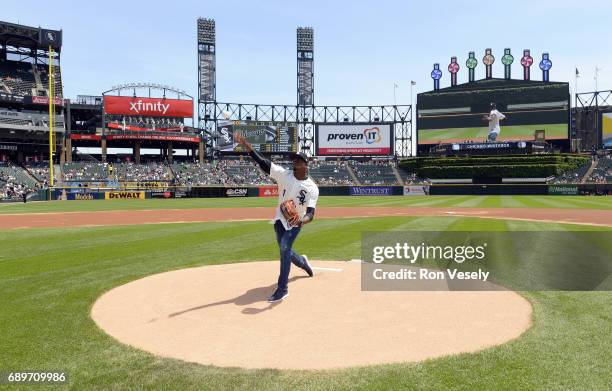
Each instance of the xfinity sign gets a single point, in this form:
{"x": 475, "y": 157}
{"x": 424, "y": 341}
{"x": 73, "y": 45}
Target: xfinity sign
{"x": 138, "y": 106}
{"x": 150, "y": 107}
{"x": 366, "y": 139}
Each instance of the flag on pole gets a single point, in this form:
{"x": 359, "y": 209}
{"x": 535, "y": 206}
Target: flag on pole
{"x": 395, "y": 85}
{"x": 577, "y": 73}
{"x": 412, "y": 83}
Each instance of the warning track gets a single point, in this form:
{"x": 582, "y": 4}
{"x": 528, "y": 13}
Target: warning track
{"x": 131, "y": 217}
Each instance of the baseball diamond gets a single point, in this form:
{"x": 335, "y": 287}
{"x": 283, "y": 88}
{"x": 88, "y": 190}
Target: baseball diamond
{"x": 146, "y": 275}
{"x": 159, "y": 236}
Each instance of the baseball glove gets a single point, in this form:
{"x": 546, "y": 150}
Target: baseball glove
{"x": 290, "y": 212}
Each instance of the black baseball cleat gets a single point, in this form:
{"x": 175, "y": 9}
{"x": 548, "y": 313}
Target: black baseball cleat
{"x": 307, "y": 268}
{"x": 278, "y": 296}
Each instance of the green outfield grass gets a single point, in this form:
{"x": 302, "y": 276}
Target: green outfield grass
{"x": 400, "y": 201}
{"x": 49, "y": 279}
{"x": 555, "y": 131}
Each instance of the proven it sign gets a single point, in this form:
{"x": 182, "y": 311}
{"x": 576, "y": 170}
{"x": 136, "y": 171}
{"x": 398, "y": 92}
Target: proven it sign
{"x": 367, "y": 139}
{"x": 150, "y": 107}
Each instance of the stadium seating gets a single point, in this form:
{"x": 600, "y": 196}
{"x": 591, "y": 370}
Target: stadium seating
{"x": 28, "y": 118}
{"x": 409, "y": 177}
{"x": 572, "y": 176}
{"x": 243, "y": 172}
{"x": 132, "y": 172}
{"x": 15, "y": 121}
{"x": 14, "y": 181}
{"x": 602, "y": 173}
{"x": 223, "y": 172}
{"x": 43, "y": 71}
{"x": 220, "y": 172}
{"x": 18, "y": 175}
{"x": 40, "y": 171}
{"x": 374, "y": 173}
{"x": 18, "y": 77}
{"x": 233, "y": 173}
{"x": 330, "y": 173}
{"x": 196, "y": 174}
{"x": 77, "y": 172}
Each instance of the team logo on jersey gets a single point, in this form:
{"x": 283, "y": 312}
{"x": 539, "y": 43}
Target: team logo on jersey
{"x": 302, "y": 197}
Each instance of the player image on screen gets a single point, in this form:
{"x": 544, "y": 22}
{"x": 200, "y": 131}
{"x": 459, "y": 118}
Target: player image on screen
{"x": 455, "y": 114}
{"x": 494, "y": 117}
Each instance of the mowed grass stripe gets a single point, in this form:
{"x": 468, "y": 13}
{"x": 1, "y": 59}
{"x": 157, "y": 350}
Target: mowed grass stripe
{"x": 537, "y": 201}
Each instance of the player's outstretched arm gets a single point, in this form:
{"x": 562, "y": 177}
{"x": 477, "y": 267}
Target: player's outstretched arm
{"x": 263, "y": 163}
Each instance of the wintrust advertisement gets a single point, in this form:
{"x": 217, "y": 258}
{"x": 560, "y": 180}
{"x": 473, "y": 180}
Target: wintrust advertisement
{"x": 151, "y": 107}
{"x": 366, "y": 139}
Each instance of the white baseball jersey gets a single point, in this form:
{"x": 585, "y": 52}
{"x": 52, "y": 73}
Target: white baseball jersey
{"x": 304, "y": 193}
{"x": 495, "y": 116}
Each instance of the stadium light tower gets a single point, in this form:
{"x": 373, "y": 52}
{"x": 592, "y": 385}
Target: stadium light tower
{"x": 305, "y": 66}
{"x": 207, "y": 77}
{"x": 207, "y": 86}
{"x": 305, "y": 88}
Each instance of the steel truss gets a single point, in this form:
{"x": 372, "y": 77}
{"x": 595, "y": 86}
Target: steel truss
{"x": 308, "y": 117}
{"x": 594, "y": 99}
{"x": 586, "y": 118}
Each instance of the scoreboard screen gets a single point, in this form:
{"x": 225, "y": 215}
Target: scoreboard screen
{"x": 263, "y": 136}
{"x": 455, "y": 114}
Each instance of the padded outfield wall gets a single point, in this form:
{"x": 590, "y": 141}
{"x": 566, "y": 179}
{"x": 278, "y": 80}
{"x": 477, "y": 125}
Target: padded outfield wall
{"x": 69, "y": 194}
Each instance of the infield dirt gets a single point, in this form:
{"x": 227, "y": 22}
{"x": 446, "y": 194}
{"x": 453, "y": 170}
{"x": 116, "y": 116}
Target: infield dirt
{"x": 123, "y": 217}
{"x": 218, "y": 315}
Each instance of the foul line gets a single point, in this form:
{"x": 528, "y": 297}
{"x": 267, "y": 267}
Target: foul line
{"x": 330, "y": 269}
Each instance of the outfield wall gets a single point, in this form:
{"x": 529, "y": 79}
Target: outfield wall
{"x": 84, "y": 194}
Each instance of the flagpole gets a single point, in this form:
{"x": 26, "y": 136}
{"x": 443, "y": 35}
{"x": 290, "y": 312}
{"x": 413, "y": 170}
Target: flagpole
{"x": 394, "y": 99}
{"x": 576, "y": 88}
{"x": 411, "y": 93}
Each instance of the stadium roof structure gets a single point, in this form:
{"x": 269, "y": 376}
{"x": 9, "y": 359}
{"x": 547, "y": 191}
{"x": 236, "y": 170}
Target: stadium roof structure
{"x": 493, "y": 84}
{"x": 147, "y": 86}
{"x": 21, "y": 36}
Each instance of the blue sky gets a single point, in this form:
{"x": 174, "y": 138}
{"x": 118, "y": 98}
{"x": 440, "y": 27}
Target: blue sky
{"x": 361, "y": 47}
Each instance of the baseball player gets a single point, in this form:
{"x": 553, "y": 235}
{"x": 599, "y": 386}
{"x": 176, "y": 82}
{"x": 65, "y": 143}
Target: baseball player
{"x": 494, "y": 117}
{"x": 297, "y": 200}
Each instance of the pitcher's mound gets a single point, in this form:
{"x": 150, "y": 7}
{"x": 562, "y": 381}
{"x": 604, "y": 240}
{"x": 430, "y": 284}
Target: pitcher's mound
{"x": 218, "y": 315}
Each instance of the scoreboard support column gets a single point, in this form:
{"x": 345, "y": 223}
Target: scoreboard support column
{"x": 137, "y": 152}
{"x": 63, "y": 152}
{"x": 103, "y": 146}
{"x": 170, "y": 152}
{"x": 68, "y": 150}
